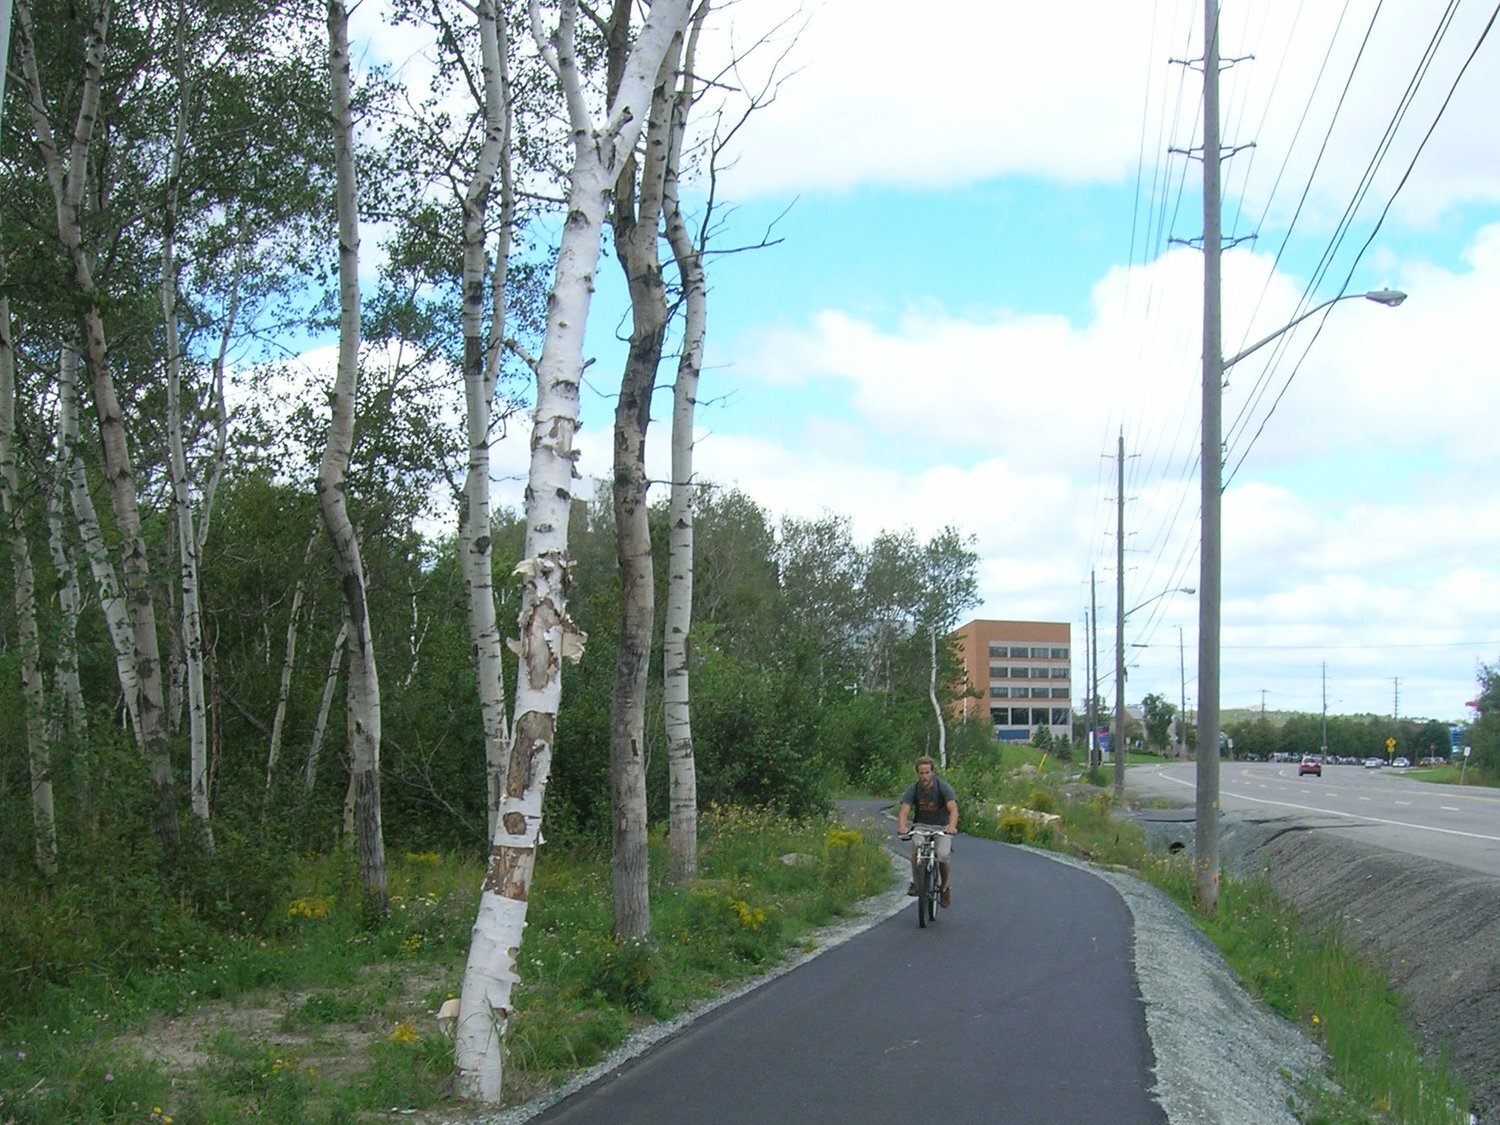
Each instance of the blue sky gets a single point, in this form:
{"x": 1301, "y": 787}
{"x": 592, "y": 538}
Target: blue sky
{"x": 978, "y": 289}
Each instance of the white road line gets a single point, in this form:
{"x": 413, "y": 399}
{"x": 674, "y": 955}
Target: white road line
{"x": 1351, "y": 816}
{"x": 1450, "y": 808}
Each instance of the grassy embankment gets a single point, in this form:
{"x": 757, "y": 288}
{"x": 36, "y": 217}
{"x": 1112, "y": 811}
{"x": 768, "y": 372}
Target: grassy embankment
{"x": 1305, "y": 971}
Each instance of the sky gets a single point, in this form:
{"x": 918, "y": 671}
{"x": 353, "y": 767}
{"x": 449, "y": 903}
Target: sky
{"x": 985, "y": 278}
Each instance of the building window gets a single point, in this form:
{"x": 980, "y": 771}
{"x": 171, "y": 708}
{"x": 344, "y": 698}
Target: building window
{"x": 1040, "y": 673}
{"x": 1060, "y": 716}
{"x": 1020, "y": 650}
{"x": 1060, "y": 693}
{"x": 1059, "y": 654}
{"x": 998, "y": 650}
{"x": 1040, "y": 653}
{"x": 1020, "y": 693}
{"x": 999, "y": 692}
{"x": 1040, "y": 716}
{"x": 1020, "y": 672}
{"x": 1061, "y": 673}
{"x": 999, "y": 672}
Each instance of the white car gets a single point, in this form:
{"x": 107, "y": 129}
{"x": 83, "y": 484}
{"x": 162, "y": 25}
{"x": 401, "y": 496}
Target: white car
{"x": 1373, "y": 763}
{"x": 1402, "y": 763}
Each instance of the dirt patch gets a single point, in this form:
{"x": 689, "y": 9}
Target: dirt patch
{"x": 329, "y": 1032}
{"x": 1432, "y": 926}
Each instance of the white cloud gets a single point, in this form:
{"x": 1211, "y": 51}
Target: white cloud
{"x": 1087, "y": 92}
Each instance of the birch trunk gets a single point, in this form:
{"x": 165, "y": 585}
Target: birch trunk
{"x": 288, "y": 662}
{"x": 182, "y": 506}
{"x": 325, "y": 708}
{"x": 937, "y": 708}
{"x": 546, "y": 634}
{"x": 636, "y": 218}
{"x": 73, "y": 719}
{"x": 91, "y": 536}
{"x": 38, "y": 751}
{"x": 481, "y": 367}
{"x": 332, "y": 481}
{"x": 682, "y": 794}
{"x": 67, "y": 177}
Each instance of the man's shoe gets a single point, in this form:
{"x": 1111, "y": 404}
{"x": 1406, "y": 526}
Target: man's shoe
{"x": 944, "y": 897}
{"x": 911, "y": 889}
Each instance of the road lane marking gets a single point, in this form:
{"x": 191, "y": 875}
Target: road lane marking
{"x": 1349, "y": 815}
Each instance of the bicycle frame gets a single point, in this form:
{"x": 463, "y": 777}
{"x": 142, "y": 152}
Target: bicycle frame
{"x": 926, "y": 876}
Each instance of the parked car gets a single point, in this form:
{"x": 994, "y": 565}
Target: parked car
{"x": 1373, "y": 763}
{"x": 1310, "y": 764}
{"x": 1402, "y": 763}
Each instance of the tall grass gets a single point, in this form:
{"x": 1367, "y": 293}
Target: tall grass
{"x": 326, "y": 1013}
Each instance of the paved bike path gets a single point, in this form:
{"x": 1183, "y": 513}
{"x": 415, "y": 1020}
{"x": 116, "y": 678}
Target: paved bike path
{"x": 1019, "y": 1005}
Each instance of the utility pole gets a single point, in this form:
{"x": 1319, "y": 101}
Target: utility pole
{"x": 1120, "y": 621}
{"x": 1396, "y": 698}
{"x": 1182, "y": 687}
{"x": 1206, "y": 830}
{"x": 1093, "y": 649}
{"x": 1096, "y": 758}
{"x": 1325, "y": 709}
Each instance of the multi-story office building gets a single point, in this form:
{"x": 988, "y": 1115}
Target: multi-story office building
{"x": 1019, "y": 675}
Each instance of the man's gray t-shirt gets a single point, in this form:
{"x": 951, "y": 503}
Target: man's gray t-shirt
{"x": 930, "y": 805}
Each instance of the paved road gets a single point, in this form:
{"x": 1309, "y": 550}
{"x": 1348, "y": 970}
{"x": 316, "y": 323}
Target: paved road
{"x": 1451, "y": 824}
{"x": 1018, "y": 1005}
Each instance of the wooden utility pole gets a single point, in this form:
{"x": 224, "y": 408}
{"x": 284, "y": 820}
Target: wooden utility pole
{"x": 1206, "y": 833}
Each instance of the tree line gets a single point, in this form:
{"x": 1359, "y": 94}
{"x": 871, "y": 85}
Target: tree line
{"x": 233, "y": 636}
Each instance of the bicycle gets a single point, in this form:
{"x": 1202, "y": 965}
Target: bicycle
{"x": 926, "y": 877}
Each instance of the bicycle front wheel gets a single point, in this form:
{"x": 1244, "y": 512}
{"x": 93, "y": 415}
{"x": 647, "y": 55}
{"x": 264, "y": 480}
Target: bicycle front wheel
{"x": 924, "y": 884}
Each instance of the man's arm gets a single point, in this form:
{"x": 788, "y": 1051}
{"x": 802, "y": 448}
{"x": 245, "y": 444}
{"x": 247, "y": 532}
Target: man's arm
{"x": 901, "y": 813}
{"x": 952, "y": 817}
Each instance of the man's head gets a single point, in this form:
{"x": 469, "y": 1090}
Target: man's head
{"x": 926, "y": 770}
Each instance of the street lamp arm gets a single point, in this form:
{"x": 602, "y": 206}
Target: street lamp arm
{"x": 1158, "y": 597}
{"x": 1388, "y": 297}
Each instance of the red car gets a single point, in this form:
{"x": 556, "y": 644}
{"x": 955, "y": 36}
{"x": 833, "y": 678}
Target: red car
{"x": 1310, "y": 765}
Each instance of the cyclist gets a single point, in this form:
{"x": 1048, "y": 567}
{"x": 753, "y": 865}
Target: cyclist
{"x": 935, "y": 802}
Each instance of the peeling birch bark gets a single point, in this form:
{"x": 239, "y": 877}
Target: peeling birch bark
{"x": 546, "y": 635}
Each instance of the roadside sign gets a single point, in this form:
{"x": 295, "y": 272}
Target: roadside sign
{"x": 1390, "y": 745}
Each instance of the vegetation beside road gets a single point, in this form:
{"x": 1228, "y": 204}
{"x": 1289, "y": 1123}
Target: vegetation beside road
{"x": 328, "y": 1015}
{"x": 1303, "y": 969}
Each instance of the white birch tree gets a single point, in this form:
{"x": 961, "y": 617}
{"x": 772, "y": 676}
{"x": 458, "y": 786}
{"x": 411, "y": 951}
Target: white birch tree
{"x": 187, "y": 535}
{"x": 481, "y": 362}
{"x": 67, "y": 172}
{"x": 363, "y": 685}
{"x": 38, "y": 749}
{"x": 547, "y": 636}
{"x": 682, "y": 777}
{"x": 636, "y": 216}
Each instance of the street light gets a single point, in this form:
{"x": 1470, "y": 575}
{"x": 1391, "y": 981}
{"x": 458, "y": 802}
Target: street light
{"x": 1120, "y": 683}
{"x": 1390, "y": 298}
{"x": 1206, "y": 774}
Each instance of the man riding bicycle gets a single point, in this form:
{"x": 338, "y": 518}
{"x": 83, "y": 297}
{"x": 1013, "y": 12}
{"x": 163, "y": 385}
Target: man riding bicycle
{"x": 935, "y": 803}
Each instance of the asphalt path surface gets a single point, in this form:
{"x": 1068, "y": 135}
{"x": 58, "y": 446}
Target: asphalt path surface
{"x": 1018, "y": 1004}
{"x": 1452, "y": 824}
